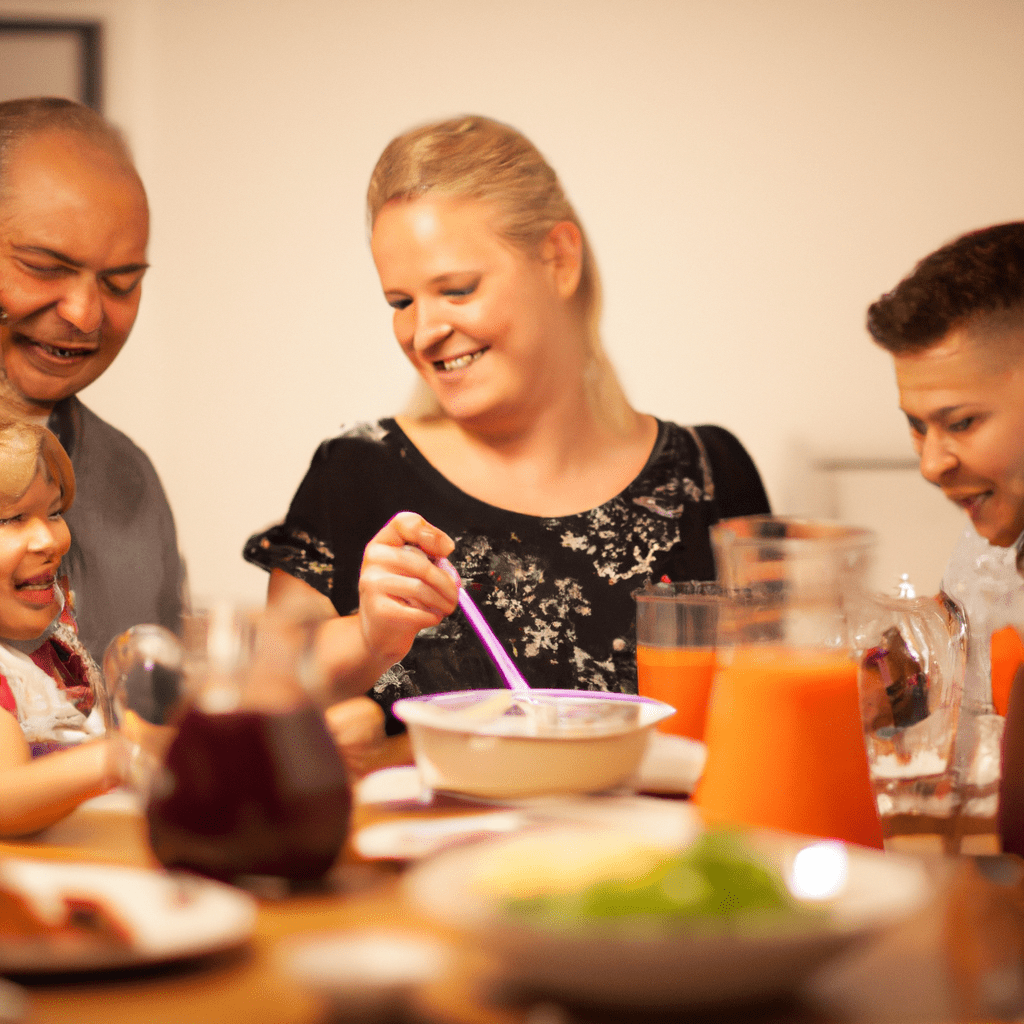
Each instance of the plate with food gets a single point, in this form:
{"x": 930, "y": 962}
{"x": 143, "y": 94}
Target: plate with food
{"x": 58, "y": 916}
{"x": 619, "y": 917}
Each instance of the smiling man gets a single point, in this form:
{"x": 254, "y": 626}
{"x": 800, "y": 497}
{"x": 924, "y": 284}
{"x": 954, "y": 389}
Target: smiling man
{"x": 955, "y": 328}
{"x": 74, "y": 227}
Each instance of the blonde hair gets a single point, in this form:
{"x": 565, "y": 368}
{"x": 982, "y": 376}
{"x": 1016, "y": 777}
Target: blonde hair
{"x": 26, "y": 449}
{"x": 473, "y": 157}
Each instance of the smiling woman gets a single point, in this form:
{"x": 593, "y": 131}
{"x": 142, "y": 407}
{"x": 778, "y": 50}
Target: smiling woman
{"x": 521, "y": 457}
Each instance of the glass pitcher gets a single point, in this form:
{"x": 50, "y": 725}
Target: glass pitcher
{"x": 785, "y": 748}
{"x": 239, "y": 772}
{"x": 911, "y": 676}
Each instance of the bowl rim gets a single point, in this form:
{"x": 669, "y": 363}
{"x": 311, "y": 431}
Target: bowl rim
{"x": 406, "y": 710}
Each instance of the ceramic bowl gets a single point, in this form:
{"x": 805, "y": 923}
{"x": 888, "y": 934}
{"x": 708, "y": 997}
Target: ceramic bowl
{"x": 500, "y": 744}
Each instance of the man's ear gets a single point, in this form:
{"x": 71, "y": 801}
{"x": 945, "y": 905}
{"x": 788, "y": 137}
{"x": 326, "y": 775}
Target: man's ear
{"x": 562, "y": 252}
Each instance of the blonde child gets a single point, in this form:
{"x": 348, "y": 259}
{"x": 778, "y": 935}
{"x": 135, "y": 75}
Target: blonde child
{"x": 52, "y": 751}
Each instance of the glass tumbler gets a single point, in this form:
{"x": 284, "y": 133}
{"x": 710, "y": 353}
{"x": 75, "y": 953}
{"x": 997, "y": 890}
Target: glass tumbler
{"x": 676, "y": 634}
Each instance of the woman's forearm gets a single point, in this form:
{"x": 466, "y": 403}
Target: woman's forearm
{"x": 347, "y": 662}
{"x": 350, "y": 665}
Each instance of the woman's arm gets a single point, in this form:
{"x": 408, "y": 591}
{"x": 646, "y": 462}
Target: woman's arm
{"x": 401, "y": 591}
{"x": 341, "y": 651}
{"x": 37, "y": 792}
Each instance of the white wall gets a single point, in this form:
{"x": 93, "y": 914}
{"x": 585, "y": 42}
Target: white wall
{"x": 752, "y": 174}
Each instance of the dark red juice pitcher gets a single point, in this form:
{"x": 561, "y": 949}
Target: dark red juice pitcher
{"x": 240, "y": 774}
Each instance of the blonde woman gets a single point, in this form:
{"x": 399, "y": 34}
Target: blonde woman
{"x": 520, "y": 456}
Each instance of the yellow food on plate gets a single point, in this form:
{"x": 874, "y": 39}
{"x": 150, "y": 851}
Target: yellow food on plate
{"x": 531, "y": 865}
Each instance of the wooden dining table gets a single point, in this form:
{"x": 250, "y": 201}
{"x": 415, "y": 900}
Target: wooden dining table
{"x": 961, "y": 958}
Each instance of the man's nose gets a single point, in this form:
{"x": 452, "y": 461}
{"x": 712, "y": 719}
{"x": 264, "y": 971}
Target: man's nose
{"x": 937, "y": 457}
{"x": 82, "y": 305}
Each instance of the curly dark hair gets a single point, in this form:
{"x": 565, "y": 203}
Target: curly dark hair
{"x": 976, "y": 277}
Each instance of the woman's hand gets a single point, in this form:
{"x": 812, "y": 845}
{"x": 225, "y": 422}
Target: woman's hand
{"x": 401, "y": 591}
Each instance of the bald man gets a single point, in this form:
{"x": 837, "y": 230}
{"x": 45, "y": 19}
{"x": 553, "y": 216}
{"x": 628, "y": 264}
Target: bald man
{"x": 74, "y": 227}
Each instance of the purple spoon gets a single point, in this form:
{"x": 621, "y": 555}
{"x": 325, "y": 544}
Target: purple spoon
{"x": 506, "y": 666}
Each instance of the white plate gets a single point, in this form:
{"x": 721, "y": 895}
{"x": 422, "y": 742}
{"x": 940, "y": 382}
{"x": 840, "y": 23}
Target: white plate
{"x": 412, "y": 838}
{"x": 671, "y": 765}
{"x": 367, "y": 972}
{"x": 169, "y": 916}
{"x": 390, "y": 785}
{"x": 666, "y": 823}
{"x": 702, "y": 965}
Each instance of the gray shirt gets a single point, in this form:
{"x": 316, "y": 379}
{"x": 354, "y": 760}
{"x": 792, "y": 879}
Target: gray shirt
{"x": 123, "y": 567}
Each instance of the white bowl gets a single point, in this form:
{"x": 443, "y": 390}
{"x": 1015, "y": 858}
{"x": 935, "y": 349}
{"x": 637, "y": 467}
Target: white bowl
{"x": 506, "y": 745}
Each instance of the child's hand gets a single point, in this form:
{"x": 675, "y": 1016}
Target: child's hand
{"x": 357, "y": 726}
{"x": 147, "y": 745}
{"x": 401, "y": 591}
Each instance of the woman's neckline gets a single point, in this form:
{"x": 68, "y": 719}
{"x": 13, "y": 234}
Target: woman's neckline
{"x": 425, "y": 465}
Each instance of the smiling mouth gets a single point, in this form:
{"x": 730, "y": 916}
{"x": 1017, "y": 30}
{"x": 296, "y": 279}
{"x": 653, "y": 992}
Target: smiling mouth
{"x": 58, "y": 351}
{"x": 37, "y": 583}
{"x": 970, "y": 503}
{"x": 459, "y": 362}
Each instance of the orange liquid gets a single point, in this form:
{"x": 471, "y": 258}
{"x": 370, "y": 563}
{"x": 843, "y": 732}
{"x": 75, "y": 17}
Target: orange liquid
{"x": 680, "y": 676}
{"x": 1007, "y": 657}
{"x": 786, "y": 749}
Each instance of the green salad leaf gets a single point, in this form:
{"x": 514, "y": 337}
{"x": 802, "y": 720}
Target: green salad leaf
{"x": 717, "y": 877}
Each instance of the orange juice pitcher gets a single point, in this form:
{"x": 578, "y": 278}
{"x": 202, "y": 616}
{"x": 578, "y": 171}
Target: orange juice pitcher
{"x": 784, "y": 734}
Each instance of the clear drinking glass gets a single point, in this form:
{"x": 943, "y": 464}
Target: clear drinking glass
{"x": 676, "y": 634}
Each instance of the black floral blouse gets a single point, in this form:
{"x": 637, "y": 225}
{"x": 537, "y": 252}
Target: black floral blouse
{"x": 556, "y": 591}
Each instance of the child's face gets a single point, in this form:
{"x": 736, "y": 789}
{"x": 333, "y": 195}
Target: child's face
{"x": 33, "y": 539}
{"x": 964, "y": 400}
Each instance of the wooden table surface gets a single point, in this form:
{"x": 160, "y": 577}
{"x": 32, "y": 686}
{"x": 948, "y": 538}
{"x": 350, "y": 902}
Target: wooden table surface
{"x": 961, "y": 959}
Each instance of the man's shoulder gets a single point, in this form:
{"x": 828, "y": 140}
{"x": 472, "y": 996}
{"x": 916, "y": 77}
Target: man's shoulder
{"x": 86, "y": 435}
